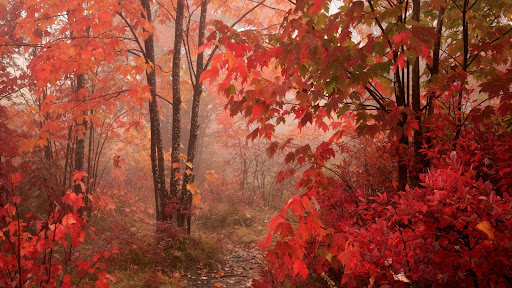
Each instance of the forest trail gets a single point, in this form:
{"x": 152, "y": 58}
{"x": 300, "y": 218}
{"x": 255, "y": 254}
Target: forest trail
{"x": 241, "y": 264}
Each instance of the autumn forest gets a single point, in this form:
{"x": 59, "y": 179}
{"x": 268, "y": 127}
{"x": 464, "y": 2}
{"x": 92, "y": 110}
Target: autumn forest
{"x": 255, "y": 143}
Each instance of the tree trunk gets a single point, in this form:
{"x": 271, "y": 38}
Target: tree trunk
{"x": 403, "y": 141}
{"x": 80, "y": 142}
{"x": 157, "y": 153}
{"x": 188, "y": 178}
{"x": 89, "y": 172}
{"x": 416, "y": 107}
{"x": 66, "y": 160}
{"x": 176, "y": 111}
{"x": 465, "y": 65}
{"x": 434, "y": 71}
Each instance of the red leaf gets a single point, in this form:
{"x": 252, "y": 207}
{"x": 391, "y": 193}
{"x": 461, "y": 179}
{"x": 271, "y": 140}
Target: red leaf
{"x": 266, "y": 241}
{"x": 16, "y": 178}
{"x": 299, "y": 267}
{"x": 403, "y": 37}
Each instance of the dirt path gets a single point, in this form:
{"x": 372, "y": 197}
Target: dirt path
{"x": 241, "y": 265}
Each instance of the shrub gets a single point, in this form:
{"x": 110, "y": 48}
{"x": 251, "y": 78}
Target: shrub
{"x": 35, "y": 253}
{"x": 454, "y": 230}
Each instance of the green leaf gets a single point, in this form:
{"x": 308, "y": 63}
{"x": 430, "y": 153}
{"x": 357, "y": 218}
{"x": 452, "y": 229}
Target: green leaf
{"x": 342, "y": 110}
{"x": 230, "y": 90}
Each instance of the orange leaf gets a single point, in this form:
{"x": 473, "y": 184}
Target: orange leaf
{"x": 485, "y": 226}
{"x": 192, "y": 188}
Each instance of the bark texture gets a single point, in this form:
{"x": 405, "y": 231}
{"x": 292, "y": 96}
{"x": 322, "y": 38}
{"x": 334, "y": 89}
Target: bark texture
{"x": 188, "y": 178}
{"x": 176, "y": 109}
{"x": 157, "y": 153}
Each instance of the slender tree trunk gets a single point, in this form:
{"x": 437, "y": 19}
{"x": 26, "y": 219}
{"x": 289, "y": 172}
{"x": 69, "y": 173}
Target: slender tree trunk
{"x": 465, "y": 64}
{"x": 402, "y": 100}
{"x": 416, "y": 106}
{"x": 154, "y": 163}
{"x": 176, "y": 112}
{"x": 80, "y": 142}
{"x": 89, "y": 172}
{"x": 188, "y": 178}
{"x": 72, "y": 161}
{"x": 157, "y": 153}
{"x": 66, "y": 160}
{"x": 403, "y": 141}
{"x": 434, "y": 71}
{"x": 47, "y": 147}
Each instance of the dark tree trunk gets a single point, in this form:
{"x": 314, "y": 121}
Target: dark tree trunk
{"x": 465, "y": 65}
{"x": 416, "y": 107}
{"x": 188, "y": 178}
{"x": 80, "y": 142}
{"x": 89, "y": 158}
{"x": 403, "y": 141}
{"x": 176, "y": 110}
{"x": 66, "y": 161}
{"x": 47, "y": 146}
{"x": 157, "y": 153}
{"x": 434, "y": 71}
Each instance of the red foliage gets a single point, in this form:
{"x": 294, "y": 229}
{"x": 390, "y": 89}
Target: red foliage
{"x": 455, "y": 229}
{"x": 36, "y": 253}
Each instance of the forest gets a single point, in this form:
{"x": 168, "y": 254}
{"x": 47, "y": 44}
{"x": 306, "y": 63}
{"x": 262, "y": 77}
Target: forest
{"x": 255, "y": 143}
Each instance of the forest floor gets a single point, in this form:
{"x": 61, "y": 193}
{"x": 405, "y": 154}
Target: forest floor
{"x": 221, "y": 252}
{"x": 243, "y": 260}
{"x": 242, "y": 263}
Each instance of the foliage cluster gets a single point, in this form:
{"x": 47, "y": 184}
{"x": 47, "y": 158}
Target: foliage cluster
{"x": 43, "y": 252}
{"x": 411, "y": 183}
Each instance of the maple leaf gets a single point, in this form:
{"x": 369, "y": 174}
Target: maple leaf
{"x": 192, "y": 188}
{"x": 403, "y": 37}
{"x": 256, "y": 110}
{"x": 78, "y": 175}
{"x": 71, "y": 199}
{"x": 485, "y": 226}
{"x": 211, "y": 73}
{"x": 299, "y": 268}
{"x": 264, "y": 244}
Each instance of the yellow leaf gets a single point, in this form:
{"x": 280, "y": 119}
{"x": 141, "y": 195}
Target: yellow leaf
{"x": 486, "y": 227}
{"x": 197, "y": 199}
{"x": 192, "y": 188}
{"x": 190, "y": 165}
{"x": 210, "y": 175}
